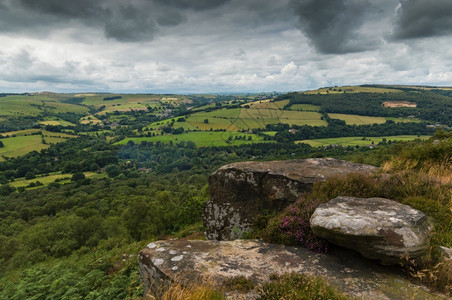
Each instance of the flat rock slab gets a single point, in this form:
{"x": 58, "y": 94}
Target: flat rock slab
{"x": 242, "y": 191}
{"x": 162, "y": 262}
{"x": 377, "y": 228}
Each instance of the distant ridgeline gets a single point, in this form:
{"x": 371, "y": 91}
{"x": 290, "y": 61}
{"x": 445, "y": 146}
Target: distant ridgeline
{"x": 431, "y": 105}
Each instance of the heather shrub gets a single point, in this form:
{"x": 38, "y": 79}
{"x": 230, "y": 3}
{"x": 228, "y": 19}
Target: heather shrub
{"x": 291, "y": 227}
{"x": 300, "y": 233}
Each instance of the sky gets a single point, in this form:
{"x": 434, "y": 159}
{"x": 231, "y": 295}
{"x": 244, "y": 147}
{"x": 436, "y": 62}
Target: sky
{"x": 222, "y": 46}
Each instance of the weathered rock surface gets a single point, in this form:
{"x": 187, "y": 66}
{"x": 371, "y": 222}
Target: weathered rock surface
{"x": 377, "y": 228}
{"x": 162, "y": 262}
{"x": 241, "y": 191}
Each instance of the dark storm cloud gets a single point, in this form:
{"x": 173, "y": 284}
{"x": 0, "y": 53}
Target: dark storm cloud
{"x": 332, "y": 25}
{"x": 193, "y": 4}
{"x": 125, "y": 21}
{"x": 71, "y": 9}
{"x": 424, "y": 18}
{"x": 130, "y": 24}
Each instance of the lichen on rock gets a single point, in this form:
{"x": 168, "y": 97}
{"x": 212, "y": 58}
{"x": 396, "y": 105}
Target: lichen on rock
{"x": 377, "y": 228}
{"x": 242, "y": 191}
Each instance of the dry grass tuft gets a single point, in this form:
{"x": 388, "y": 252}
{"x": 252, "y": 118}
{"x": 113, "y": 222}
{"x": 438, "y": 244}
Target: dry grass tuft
{"x": 205, "y": 289}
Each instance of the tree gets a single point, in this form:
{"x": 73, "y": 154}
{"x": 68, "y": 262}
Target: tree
{"x": 206, "y": 121}
{"x": 78, "y": 176}
{"x": 112, "y": 170}
{"x": 1, "y": 144}
{"x": 30, "y": 175}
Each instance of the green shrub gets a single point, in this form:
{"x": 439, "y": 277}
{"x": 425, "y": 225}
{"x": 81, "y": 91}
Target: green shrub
{"x": 240, "y": 283}
{"x": 298, "y": 286}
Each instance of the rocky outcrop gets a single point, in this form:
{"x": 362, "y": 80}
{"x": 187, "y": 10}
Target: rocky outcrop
{"x": 241, "y": 191}
{"x": 163, "y": 262}
{"x": 446, "y": 261}
{"x": 377, "y": 228}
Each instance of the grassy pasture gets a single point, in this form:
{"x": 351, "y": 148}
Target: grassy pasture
{"x": 53, "y": 123}
{"x": 36, "y": 104}
{"x": 19, "y": 105}
{"x": 162, "y": 123}
{"x": 214, "y": 126}
{"x": 270, "y": 133}
{"x": 306, "y": 107}
{"x": 45, "y": 180}
{"x": 403, "y": 120}
{"x": 221, "y": 114}
{"x": 302, "y": 118}
{"x": 56, "y": 122}
{"x": 22, "y": 144}
{"x": 128, "y": 102}
{"x": 249, "y": 123}
{"x": 19, "y": 132}
{"x": 97, "y": 100}
{"x": 58, "y": 107}
{"x": 218, "y": 119}
{"x": 358, "y": 141}
{"x": 46, "y": 133}
{"x": 258, "y": 118}
{"x": 267, "y": 104}
{"x": 352, "y": 89}
{"x": 169, "y": 99}
{"x": 200, "y": 138}
{"x": 358, "y": 120}
{"x": 203, "y": 107}
{"x": 260, "y": 114}
{"x": 90, "y": 119}
{"x": 55, "y": 137}
{"x": 244, "y": 119}
{"x": 426, "y": 88}
{"x": 186, "y": 125}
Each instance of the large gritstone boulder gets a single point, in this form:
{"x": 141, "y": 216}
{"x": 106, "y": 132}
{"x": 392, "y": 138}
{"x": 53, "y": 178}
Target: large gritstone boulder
{"x": 377, "y": 228}
{"x": 182, "y": 261}
{"x": 242, "y": 191}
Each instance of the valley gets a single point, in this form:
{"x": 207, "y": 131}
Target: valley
{"x": 88, "y": 179}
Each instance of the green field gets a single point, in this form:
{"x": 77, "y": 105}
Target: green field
{"x": 218, "y": 119}
{"x": 270, "y": 133}
{"x": 307, "y": 107}
{"x": 258, "y": 118}
{"x": 19, "y": 132}
{"x": 358, "y": 120}
{"x": 267, "y": 104}
{"x": 14, "y": 105}
{"x": 243, "y": 119}
{"x": 22, "y": 144}
{"x": 352, "y": 89}
{"x": 90, "y": 119}
{"x": 203, "y": 107}
{"x": 129, "y": 102}
{"x": 359, "y": 141}
{"x": 56, "y": 122}
{"x": 45, "y": 180}
{"x": 403, "y": 120}
{"x": 36, "y": 104}
{"x": 201, "y": 138}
